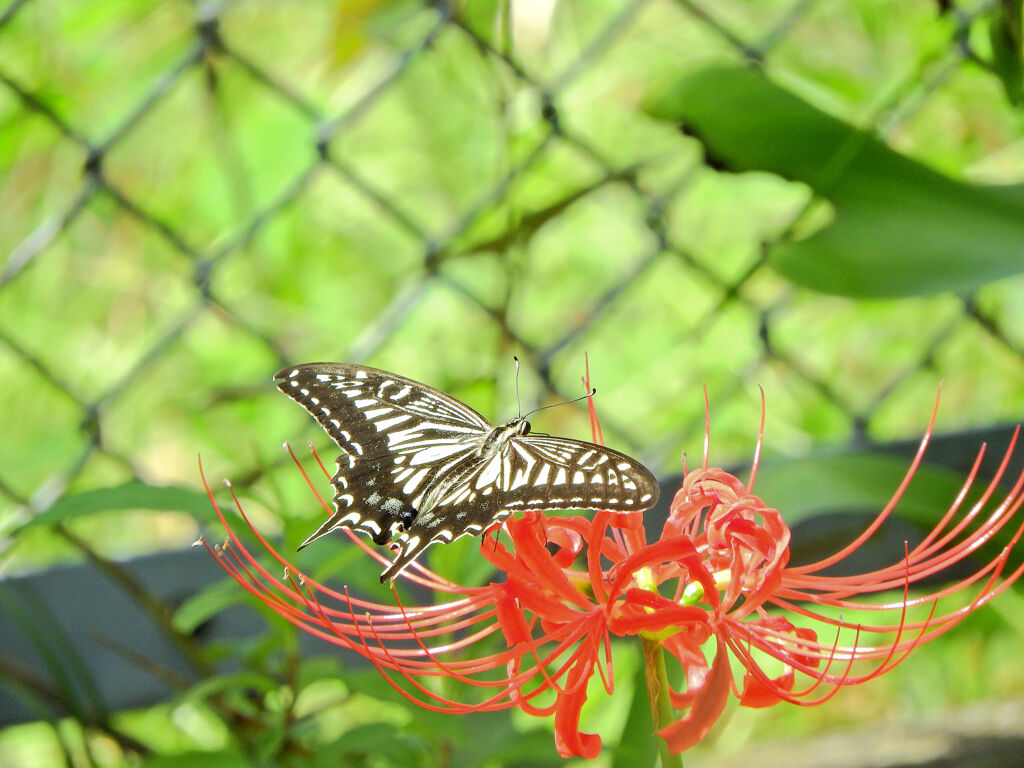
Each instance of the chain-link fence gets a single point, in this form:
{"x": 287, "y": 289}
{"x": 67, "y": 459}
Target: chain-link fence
{"x": 141, "y": 210}
{"x": 195, "y": 194}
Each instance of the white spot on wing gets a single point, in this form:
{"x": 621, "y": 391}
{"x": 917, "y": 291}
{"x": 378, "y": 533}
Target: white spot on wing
{"x": 388, "y": 423}
{"x": 414, "y": 481}
{"x": 506, "y": 469}
{"x": 559, "y": 477}
{"x": 436, "y": 453}
{"x": 489, "y": 473}
{"x": 522, "y": 478}
{"x": 455, "y": 497}
{"x": 542, "y": 476}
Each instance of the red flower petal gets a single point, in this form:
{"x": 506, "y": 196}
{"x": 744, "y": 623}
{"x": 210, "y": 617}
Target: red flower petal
{"x": 569, "y": 741}
{"x": 707, "y": 704}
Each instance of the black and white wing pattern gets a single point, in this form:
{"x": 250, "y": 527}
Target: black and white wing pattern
{"x": 396, "y": 436}
{"x": 418, "y": 466}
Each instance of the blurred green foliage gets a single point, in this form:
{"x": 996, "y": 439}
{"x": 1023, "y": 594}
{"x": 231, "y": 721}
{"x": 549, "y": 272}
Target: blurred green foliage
{"x": 194, "y": 194}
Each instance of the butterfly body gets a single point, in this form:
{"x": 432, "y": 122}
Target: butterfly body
{"x": 419, "y": 466}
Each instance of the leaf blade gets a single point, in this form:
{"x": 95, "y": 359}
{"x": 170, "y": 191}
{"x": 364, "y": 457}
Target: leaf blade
{"x": 900, "y": 228}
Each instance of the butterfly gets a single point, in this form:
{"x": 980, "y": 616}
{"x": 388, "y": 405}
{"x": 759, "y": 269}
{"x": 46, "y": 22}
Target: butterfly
{"x": 419, "y": 466}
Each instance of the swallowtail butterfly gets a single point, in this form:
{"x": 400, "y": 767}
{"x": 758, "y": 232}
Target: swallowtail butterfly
{"x": 418, "y": 466}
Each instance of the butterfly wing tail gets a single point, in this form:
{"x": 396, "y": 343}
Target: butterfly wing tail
{"x": 329, "y": 525}
{"x": 409, "y": 550}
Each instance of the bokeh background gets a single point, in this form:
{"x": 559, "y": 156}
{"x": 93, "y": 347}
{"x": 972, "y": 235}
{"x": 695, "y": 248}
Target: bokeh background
{"x": 194, "y": 194}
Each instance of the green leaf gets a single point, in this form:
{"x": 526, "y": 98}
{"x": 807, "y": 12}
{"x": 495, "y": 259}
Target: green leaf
{"x": 899, "y": 228}
{"x": 371, "y": 683}
{"x": 226, "y": 759}
{"x": 207, "y": 603}
{"x": 1005, "y": 37}
{"x": 638, "y": 744}
{"x": 125, "y": 497}
{"x": 232, "y": 682}
{"x": 461, "y": 561}
{"x": 54, "y": 648}
{"x": 381, "y": 740}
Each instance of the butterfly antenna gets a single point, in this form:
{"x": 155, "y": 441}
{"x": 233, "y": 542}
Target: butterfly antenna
{"x": 591, "y": 393}
{"x": 519, "y": 405}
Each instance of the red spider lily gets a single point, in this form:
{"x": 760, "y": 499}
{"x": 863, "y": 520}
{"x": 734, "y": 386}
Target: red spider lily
{"x": 566, "y": 585}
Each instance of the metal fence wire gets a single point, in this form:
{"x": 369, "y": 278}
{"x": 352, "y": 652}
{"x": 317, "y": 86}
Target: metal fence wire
{"x": 194, "y": 194}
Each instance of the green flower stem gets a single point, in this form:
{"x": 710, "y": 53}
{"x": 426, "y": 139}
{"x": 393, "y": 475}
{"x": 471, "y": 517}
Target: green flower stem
{"x": 657, "y": 691}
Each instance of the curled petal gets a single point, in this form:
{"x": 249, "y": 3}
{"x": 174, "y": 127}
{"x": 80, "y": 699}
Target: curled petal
{"x": 757, "y": 695}
{"x": 706, "y": 706}
{"x": 512, "y": 623}
{"x": 569, "y": 740}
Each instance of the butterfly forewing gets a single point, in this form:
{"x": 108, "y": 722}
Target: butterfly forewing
{"x": 394, "y": 432}
{"x": 419, "y": 466}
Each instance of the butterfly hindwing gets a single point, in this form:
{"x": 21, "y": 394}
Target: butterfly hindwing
{"x": 542, "y": 472}
{"x": 574, "y": 474}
